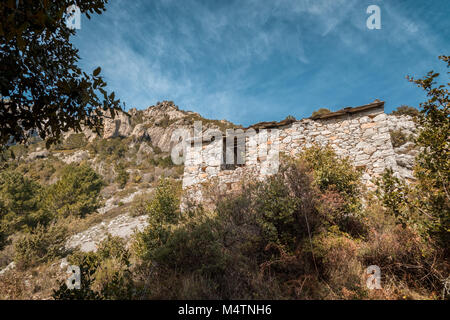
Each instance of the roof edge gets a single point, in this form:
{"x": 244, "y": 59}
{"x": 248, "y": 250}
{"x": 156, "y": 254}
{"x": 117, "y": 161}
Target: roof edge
{"x": 349, "y": 110}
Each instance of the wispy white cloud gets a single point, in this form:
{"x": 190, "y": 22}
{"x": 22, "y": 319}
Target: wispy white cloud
{"x": 226, "y": 59}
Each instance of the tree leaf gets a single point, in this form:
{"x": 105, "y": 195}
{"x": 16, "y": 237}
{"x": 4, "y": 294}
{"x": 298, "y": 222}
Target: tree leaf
{"x": 97, "y": 71}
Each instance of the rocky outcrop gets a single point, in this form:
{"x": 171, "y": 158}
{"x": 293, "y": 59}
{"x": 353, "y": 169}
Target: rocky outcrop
{"x": 40, "y": 154}
{"x": 154, "y": 125}
{"x": 76, "y": 157}
{"x": 140, "y": 133}
{"x": 120, "y": 126}
{"x": 122, "y": 226}
{"x": 405, "y": 154}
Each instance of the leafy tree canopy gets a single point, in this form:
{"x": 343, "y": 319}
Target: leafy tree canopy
{"x": 76, "y": 193}
{"x": 433, "y": 163}
{"x": 42, "y": 90}
{"x": 19, "y": 201}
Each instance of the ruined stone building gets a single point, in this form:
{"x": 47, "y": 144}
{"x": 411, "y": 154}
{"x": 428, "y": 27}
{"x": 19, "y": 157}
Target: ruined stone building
{"x": 360, "y": 133}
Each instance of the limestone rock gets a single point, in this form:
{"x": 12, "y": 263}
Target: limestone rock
{"x": 38, "y": 155}
{"x": 76, "y": 157}
{"x": 140, "y": 133}
{"x": 120, "y": 126}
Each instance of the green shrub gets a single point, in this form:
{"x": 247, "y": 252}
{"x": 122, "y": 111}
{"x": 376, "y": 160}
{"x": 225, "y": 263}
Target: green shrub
{"x": 114, "y": 148}
{"x": 280, "y": 218}
{"x": 432, "y": 170}
{"x": 406, "y": 111}
{"x": 3, "y": 237}
{"x": 337, "y": 258}
{"x": 75, "y": 141}
{"x": 20, "y": 201}
{"x": 85, "y": 292}
{"x": 15, "y": 152}
{"x": 164, "y": 162}
{"x": 163, "y": 213}
{"x": 332, "y": 173}
{"x": 140, "y": 206}
{"x": 193, "y": 247}
{"x": 290, "y": 118}
{"x": 76, "y": 192}
{"x": 164, "y": 207}
{"x": 122, "y": 175}
{"x": 72, "y": 142}
{"x": 40, "y": 245}
{"x": 105, "y": 274}
{"x": 393, "y": 193}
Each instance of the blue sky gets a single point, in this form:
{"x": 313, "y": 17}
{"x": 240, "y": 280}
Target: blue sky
{"x": 260, "y": 60}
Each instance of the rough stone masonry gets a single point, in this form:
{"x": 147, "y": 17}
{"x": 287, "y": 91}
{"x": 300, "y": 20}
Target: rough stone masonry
{"x": 361, "y": 133}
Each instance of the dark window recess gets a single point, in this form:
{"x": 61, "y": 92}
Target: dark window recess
{"x": 237, "y": 161}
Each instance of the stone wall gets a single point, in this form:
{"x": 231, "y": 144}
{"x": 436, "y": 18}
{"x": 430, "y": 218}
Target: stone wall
{"x": 363, "y": 136}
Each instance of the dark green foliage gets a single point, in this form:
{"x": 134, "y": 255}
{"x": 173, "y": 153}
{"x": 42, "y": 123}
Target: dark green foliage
{"x": 291, "y": 118}
{"x": 280, "y": 217}
{"x": 40, "y": 245}
{"x": 75, "y": 194}
{"x": 3, "y": 237}
{"x": 85, "y": 292}
{"x": 122, "y": 175}
{"x": 164, "y": 162}
{"x": 164, "y": 207}
{"x": 20, "y": 201}
{"x": 113, "y": 149}
{"x": 163, "y": 212}
{"x": 332, "y": 173}
{"x": 42, "y": 87}
{"x": 393, "y": 193}
{"x": 105, "y": 273}
{"x": 406, "y": 111}
{"x": 433, "y": 163}
{"x": 74, "y": 141}
{"x": 195, "y": 247}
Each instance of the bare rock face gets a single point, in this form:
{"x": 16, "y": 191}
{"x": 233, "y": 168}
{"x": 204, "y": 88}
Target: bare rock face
{"x": 122, "y": 226}
{"x": 155, "y": 124}
{"x": 38, "y": 155}
{"x": 406, "y": 153}
{"x": 160, "y": 137}
{"x": 76, "y": 157}
{"x": 144, "y": 150}
{"x": 158, "y": 124}
{"x": 120, "y": 126}
{"x": 140, "y": 133}
{"x": 163, "y": 110}
{"x": 89, "y": 134}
